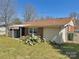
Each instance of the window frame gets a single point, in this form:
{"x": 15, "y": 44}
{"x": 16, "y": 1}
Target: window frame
{"x": 70, "y": 36}
{"x": 32, "y": 31}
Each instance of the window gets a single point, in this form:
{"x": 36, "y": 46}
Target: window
{"x": 70, "y": 36}
{"x": 32, "y": 31}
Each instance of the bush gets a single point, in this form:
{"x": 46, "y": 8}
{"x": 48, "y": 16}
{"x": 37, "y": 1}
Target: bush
{"x": 31, "y": 39}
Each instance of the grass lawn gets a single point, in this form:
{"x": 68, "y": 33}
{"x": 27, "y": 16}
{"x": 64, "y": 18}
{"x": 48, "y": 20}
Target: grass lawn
{"x": 16, "y": 49}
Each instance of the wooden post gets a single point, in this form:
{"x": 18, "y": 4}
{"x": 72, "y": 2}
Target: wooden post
{"x": 13, "y": 33}
{"x": 26, "y": 31}
{"x": 20, "y": 31}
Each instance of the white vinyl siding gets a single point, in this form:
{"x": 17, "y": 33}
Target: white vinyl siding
{"x": 2, "y": 30}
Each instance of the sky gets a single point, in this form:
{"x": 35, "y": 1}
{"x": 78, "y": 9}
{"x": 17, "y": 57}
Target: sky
{"x": 52, "y": 8}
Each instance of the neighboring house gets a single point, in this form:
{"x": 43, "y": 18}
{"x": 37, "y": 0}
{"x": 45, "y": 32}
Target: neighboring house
{"x": 2, "y": 29}
{"x": 2, "y": 26}
{"x": 51, "y": 29}
{"x": 76, "y": 31}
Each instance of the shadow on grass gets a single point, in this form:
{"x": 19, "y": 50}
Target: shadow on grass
{"x": 70, "y": 50}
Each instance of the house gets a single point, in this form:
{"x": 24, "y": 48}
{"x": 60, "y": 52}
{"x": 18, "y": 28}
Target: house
{"x": 76, "y": 31}
{"x": 51, "y": 29}
{"x": 2, "y": 26}
{"x": 2, "y": 29}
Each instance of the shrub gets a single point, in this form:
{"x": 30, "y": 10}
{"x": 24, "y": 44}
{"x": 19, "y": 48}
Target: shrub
{"x": 31, "y": 39}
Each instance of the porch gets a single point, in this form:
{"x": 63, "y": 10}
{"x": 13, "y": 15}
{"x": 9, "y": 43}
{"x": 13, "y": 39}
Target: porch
{"x": 19, "y": 31}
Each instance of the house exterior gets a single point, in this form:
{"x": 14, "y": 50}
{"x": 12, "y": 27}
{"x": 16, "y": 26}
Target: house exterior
{"x": 76, "y": 31}
{"x": 51, "y": 29}
{"x": 2, "y": 29}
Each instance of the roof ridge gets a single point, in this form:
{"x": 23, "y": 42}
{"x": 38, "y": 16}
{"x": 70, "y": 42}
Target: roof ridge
{"x": 50, "y": 19}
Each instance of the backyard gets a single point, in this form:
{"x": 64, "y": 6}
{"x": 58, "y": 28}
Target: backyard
{"x": 16, "y": 49}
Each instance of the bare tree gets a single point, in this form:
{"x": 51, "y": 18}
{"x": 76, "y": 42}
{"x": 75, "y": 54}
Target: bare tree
{"x": 16, "y": 21}
{"x": 29, "y": 13}
{"x": 6, "y": 12}
{"x": 74, "y": 15}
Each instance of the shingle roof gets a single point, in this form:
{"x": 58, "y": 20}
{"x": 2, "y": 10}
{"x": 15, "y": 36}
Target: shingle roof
{"x": 48, "y": 22}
